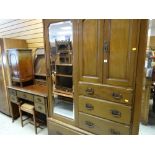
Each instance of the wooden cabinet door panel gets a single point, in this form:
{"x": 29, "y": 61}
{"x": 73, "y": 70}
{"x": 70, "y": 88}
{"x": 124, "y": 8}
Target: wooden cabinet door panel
{"x": 25, "y": 59}
{"x": 120, "y": 51}
{"x": 4, "y": 106}
{"x": 90, "y": 50}
{"x": 13, "y": 62}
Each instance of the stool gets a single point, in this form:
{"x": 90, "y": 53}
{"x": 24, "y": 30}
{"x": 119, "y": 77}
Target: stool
{"x": 30, "y": 110}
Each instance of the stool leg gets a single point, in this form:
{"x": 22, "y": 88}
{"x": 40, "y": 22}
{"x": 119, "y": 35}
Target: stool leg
{"x": 35, "y": 124}
{"x": 20, "y": 112}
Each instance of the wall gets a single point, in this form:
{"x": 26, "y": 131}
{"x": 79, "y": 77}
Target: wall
{"x": 29, "y": 29}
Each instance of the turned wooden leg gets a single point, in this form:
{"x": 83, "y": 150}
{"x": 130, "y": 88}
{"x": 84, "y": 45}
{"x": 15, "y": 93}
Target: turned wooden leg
{"x": 35, "y": 124}
{"x": 20, "y": 112}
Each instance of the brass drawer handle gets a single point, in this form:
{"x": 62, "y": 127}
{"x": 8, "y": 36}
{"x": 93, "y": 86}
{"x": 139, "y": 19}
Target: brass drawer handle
{"x": 89, "y": 106}
{"x": 24, "y": 95}
{"x": 117, "y": 96}
{"x": 115, "y": 113}
{"x": 89, "y": 124}
{"x": 114, "y": 132}
{"x": 39, "y": 107}
{"x": 38, "y": 99}
{"x": 90, "y": 91}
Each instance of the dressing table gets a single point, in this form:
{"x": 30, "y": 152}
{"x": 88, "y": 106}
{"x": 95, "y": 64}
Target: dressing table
{"x": 34, "y": 94}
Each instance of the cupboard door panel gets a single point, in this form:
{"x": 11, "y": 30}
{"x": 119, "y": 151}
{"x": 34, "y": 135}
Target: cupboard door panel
{"x": 90, "y": 50}
{"x": 13, "y": 62}
{"x": 121, "y": 40}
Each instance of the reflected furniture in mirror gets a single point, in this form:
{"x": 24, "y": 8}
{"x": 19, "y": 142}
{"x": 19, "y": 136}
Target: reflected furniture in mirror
{"x": 60, "y": 35}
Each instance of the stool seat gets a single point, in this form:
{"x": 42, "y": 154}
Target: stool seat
{"x": 27, "y": 108}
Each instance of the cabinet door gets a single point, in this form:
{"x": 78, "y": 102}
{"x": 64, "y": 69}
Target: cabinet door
{"x": 13, "y": 63}
{"x": 25, "y": 65}
{"x": 4, "y": 106}
{"x": 120, "y": 51}
{"x": 90, "y": 50}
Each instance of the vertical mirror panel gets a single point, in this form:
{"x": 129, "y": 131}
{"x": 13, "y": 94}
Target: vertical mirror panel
{"x": 61, "y": 39}
{"x": 59, "y": 33}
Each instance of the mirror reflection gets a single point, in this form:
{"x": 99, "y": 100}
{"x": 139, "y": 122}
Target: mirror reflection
{"x": 60, "y": 38}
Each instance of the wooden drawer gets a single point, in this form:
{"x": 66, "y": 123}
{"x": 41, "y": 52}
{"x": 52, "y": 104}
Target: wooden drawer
{"x": 12, "y": 92}
{"x": 25, "y": 96}
{"x": 105, "y": 109}
{"x": 40, "y": 107}
{"x": 13, "y": 99}
{"x": 116, "y": 94}
{"x": 101, "y": 126}
{"x": 39, "y": 99}
{"x": 56, "y": 127}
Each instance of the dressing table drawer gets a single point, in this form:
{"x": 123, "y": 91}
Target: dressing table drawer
{"x": 12, "y": 92}
{"x": 39, "y": 99}
{"x": 25, "y": 96}
{"x": 40, "y": 107}
{"x": 13, "y": 99}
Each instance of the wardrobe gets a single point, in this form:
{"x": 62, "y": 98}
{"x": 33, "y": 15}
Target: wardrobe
{"x": 107, "y": 73}
{"x": 6, "y": 43}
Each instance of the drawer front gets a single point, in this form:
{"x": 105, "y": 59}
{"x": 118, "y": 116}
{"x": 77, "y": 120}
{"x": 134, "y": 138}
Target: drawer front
{"x": 39, "y": 99}
{"x": 101, "y": 126}
{"x": 116, "y": 94}
{"x": 25, "y": 96}
{"x": 57, "y": 129}
{"x": 13, "y": 99}
{"x": 105, "y": 109}
{"x": 12, "y": 92}
{"x": 40, "y": 107}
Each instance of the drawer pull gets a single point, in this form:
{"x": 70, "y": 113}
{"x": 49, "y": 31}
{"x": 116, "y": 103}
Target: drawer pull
{"x": 116, "y": 113}
{"x": 38, "y": 99}
{"x": 39, "y": 107}
{"x": 117, "y": 96}
{"x": 90, "y": 91}
{"x": 89, "y": 106}
{"x": 114, "y": 132}
{"x": 24, "y": 95}
{"x": 89, "y": 124}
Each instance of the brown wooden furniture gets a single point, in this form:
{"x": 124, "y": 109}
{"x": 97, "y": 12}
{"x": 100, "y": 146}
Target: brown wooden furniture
{"x": 146, "y": 100}
{"x": 108, "y": 65}
{"x": 39, "y": 67}
{"x": 21, "y": 65}
{"x": 35, "y": 94}
{"x": 5, "y": 44}
{"x": 63, "y": 89}
{"x": 25, "y": 107}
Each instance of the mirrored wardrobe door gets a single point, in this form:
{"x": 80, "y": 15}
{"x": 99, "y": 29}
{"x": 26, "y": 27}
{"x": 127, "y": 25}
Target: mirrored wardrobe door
{"x": 60, "y": 42}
